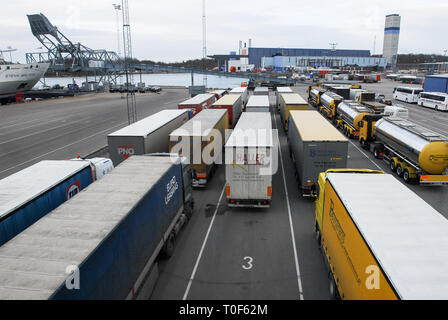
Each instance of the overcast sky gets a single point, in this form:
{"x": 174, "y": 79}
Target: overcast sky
{"x": 171, "y": 30}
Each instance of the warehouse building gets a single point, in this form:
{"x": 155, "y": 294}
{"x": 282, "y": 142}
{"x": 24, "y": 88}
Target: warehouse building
{"x": 436, "y": 83}
{"x": 281, "y": 63}
{"x": 256, "y": 54}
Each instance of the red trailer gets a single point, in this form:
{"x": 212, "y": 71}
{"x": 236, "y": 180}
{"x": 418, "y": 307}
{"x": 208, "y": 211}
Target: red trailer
{"x": 199, "y": 102}
{"x": 233, "y": 104}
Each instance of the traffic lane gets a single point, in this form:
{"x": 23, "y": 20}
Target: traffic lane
{"x": 84, "y": 137}
{"x": 175, "y": 272}
{"x": 313, "y": 272}
{"x": 249, "y": 254}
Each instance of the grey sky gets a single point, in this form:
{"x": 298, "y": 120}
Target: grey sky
{"x": 171, "y": 30}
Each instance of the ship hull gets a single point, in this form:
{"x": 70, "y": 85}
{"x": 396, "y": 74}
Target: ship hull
{"x": 20, "y": 77}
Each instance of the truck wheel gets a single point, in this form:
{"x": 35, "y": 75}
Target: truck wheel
{"x": 399, "y": 170}
{"x": 168, "y": 247}
{"x": 392, "y": 165}
{"x": 406, "y": 176}
{"x": 334, "y": 294}
{"x": 376, "y": 153}
{"x": 318, "y": 237}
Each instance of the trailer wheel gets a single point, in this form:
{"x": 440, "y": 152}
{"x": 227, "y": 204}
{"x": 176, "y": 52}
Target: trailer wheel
{"x": 392, "y": 165}
{"x": 334, "y": 294}
{"x": 376, "y": 153}
{"x": 399, "y": 170}
{"x": 168, "y": 247}
{"x": 406, "y": 176}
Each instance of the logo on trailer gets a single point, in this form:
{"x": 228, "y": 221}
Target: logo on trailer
{"x": 73, "y": 189}
{"x": 171, "y": 188}
{"x": 126, "y": 151}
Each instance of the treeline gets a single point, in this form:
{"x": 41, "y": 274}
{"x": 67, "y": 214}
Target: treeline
{"x": 197, "y": 63}
{"x": 420, "y": 58}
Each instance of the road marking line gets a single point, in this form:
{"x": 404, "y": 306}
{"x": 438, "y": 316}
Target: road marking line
{"x": 68, "y": 145}
{"x": 203, "y": 246}
{"x": 296, "y": 259}
{"x": 366, "y": 155}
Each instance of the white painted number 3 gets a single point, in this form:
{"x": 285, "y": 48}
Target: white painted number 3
{"x": 248, "y": 265}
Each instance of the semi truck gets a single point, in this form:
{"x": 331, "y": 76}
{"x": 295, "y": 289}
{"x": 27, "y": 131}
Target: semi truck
{"x": 261, "y": 91}
{"x": 105, "y": 242}
{"x": 379, "y": 239}
{"x": 349, "y": 115}
{"x": 314, "y": 146}
{"x": 289, "y": 102}
{"x": 314, "y": 94}
{"x": 413, "y": 152}
{"x": 196, "y": 141}
{"x": 369, "y": 100}
{"x": 250, "y": 155}
{"x": 329, "y": 102}
{"x": 198, "y": 102}
{"x": 148, "y": 135}
{"x": 28, "y": 195}
{"x": 279, "y": 91}
{"x": 233, "y": 103}
{"x": 244, "y": 94}
{"x": 258, "y": 104}
{"x": 343, "y": 91}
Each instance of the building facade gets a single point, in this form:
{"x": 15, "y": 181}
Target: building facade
{"x": 391, "y": 37}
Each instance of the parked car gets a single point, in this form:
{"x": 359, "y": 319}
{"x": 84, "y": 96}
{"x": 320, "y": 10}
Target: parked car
{"x": 57, "y": 87}
{"x": 156, "y": 89}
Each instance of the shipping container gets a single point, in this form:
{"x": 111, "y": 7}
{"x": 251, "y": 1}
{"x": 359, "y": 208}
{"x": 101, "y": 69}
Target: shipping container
{"x": 28, "y": 195}
{"x": 102, "y": 243}
{"x": 250, "y": 155}
{"x": 198, "y": 102}
{"x": 261, "y": 91}
{"x": 289, "y": 102}
{"x": 380, "y": 240}
{"x": 315, "y": 146}
{"x": 148, "y": 135}
{"x": 244, "y": 94}
{"x": 196, "y": 139}
{"x": 258, "y": 104}
{"x": 279, "y": 91}
{"x": 233, "y": 104}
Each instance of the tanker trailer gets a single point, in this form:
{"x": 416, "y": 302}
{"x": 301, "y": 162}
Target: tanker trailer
{"x": 416, "y": 153}
{"x": 314, "y": 96}
{"x": 330, "y": 102}
{"x": 349, "y": 114}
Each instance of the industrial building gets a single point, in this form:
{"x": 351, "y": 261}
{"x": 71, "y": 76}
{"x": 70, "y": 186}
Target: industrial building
{"x": 256, "y": 54}
{"x": 391, "y": 37}
{"x": 281, "y": 63}
{"x": 436, "y": 83}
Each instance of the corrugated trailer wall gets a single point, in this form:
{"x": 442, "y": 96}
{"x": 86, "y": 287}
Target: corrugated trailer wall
{"x": 18, "y": 220}
{"x": 110, "y": 230}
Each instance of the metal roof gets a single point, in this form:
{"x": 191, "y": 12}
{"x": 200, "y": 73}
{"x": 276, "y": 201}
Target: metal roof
{"x": 408, "y": 237}
{"x": 227, "y": 100}
{"x": 258, "y": 101}
{"x": 149, "y": 124}
{"x": 312, "y": 126}
{"x": 293, "y": 98}
{"x": 198, "y": 99}
{"x": 201, "y": 124}
{"x": 253, "y": 129}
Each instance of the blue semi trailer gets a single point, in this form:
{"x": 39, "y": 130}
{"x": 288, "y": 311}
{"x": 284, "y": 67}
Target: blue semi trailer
{"x": 28, "y": 195}
{"x": 103, "y": 243}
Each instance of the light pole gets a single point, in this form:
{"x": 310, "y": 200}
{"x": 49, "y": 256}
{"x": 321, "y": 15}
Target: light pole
{"x": 117, "y": 8}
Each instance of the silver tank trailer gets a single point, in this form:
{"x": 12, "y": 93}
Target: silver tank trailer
{"x": 407, "y": 138}
{"x": 352, "y": 112}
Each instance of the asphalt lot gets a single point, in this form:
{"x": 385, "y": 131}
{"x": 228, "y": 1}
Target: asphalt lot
{"x": 222, "y": 253}
{"x": 212, "y": 254}
{"x": 65, "y": 128}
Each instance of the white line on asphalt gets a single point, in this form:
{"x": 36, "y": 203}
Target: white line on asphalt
{"x": 296, "y": 259}
{"x": 202, "y": 247}
{"x": 68, "y": 145}
{"x": 366, "y": 155}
